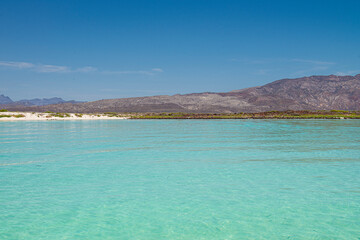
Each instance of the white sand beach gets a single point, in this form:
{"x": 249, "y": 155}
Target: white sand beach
{"x": 37, "y": 116}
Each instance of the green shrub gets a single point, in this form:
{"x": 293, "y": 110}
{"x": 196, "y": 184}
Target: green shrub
{"x": 111, "y": 114}
{"x": 60, "y": 115}
{"x": 3, "y": 110}
{"x": 339, "y": 111}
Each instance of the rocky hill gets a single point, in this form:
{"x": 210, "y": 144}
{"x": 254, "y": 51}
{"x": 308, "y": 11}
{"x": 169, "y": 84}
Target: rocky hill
{"x": 306, "y": 93}
{"x": 5, "y": 99}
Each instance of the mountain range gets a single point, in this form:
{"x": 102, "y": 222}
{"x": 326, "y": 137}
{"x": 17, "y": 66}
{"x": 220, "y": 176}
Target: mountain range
{"x": 5, "y": 100}
{"x": 306, "y": 93}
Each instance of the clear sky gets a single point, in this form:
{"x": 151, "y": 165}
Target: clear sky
{"x": 89, "y": 50}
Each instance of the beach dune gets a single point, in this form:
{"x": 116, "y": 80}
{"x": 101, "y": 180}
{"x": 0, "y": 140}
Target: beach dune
{"x": 26, "y": 116}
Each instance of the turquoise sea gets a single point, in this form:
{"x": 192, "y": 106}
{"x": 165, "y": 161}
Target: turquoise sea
{"x": 180, "y": 179}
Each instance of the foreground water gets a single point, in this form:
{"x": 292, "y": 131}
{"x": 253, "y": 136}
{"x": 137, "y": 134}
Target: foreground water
{"x": 173, "y": 179}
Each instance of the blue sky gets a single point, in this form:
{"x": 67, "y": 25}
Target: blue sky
{"x": 89, "y": 50}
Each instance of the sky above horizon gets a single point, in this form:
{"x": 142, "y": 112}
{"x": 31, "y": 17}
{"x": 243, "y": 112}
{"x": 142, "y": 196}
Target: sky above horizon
{"x": 90, "y": 50}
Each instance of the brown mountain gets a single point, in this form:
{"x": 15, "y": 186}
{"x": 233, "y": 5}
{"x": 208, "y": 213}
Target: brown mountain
{"x": 306, "y": 93}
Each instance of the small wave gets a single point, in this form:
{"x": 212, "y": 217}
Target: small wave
{"x": 20, "y": 163}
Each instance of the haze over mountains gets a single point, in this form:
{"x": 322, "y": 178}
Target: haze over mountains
{"x": 5, "y": 100}
{"x": 306, "y": 93}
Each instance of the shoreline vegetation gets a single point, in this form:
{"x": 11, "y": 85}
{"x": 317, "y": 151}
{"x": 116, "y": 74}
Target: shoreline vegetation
{"x": 304, "y": 114}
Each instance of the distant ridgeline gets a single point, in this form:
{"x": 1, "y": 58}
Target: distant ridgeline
{"x": 306, "y": 93}
{"x": 5, "y": 100}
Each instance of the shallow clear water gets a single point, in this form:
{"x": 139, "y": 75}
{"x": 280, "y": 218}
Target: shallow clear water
{"x": 180, "y": 179}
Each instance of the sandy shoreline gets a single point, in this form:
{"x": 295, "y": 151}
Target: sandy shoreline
{"x": 37, "y": 116}
{"x": 303, "y": 114}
